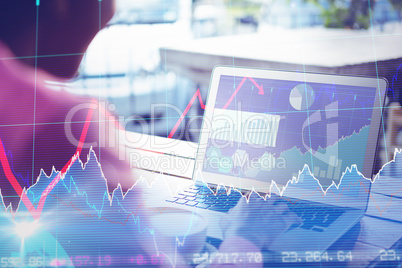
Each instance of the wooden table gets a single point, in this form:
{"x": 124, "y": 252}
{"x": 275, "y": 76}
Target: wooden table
{"x": 351, "y": 52}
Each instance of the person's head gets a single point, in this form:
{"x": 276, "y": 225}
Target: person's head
{"x": 58, "y": 31}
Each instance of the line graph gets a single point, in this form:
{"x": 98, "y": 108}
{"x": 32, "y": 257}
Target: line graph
{"x": 74, "y": 204}
{"x": 334, "y": 191}
{"x": 197, "y": 94}
{"x": 82, "y": 199}
{"x": 24, "y": 179}
{"x": 36, "y": 212}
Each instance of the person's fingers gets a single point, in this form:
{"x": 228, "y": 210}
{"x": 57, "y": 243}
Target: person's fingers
{"x": 242, "y": 202}
{"x": 290, "y": 218}
{"x": 281, "y": 207}
{"x": 225, "y": 221}
{"x": 237, "y": 211}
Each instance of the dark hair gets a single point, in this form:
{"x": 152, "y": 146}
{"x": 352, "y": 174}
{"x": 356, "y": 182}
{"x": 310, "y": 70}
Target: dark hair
{"x": 16, "y": 16}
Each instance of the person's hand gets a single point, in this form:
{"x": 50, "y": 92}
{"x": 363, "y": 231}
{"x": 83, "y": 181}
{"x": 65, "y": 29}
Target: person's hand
{"x": 259, "y": 221}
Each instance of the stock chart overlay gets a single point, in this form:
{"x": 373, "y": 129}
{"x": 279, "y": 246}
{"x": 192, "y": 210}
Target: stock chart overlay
{"x": 81, "y": 225}
{"x": 200, "y": 134}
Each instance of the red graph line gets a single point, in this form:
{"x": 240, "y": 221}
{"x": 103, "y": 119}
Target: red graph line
{"x": 10, "y": 176}
{"x": 234, "y": 93}
{"x": 198, "y": 94}
{"x": 7, "y": 170}
{"x": 260, "y": 88}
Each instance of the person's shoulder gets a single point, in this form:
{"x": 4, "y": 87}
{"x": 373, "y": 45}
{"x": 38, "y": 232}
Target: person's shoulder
{"x": 63, "y": 104}
{"x": 30, "y": 91}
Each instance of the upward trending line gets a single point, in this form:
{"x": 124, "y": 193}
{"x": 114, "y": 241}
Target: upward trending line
{"x": 197, "y": 94}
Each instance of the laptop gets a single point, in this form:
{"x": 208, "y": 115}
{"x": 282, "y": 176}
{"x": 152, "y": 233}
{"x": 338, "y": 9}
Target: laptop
{"x": 292, "y": 134}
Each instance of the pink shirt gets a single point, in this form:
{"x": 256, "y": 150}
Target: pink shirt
{"x": 34, "y": 131}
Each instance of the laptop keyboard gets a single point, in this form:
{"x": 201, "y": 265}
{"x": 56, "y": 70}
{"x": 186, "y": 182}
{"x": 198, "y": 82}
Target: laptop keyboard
{"x": 313, "y": 216}
{"x": 202, "y": 197}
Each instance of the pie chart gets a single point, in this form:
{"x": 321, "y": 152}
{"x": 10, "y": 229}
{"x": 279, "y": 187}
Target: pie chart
{"x": 302, "y": 97}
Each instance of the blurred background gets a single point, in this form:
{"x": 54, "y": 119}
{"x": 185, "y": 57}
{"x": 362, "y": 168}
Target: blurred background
{"x": 128, "y": 63}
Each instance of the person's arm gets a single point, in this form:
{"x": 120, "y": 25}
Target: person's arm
{"x": 81, "y": 120}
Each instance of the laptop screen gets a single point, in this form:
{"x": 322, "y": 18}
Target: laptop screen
{"x": 264, "y": 129}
